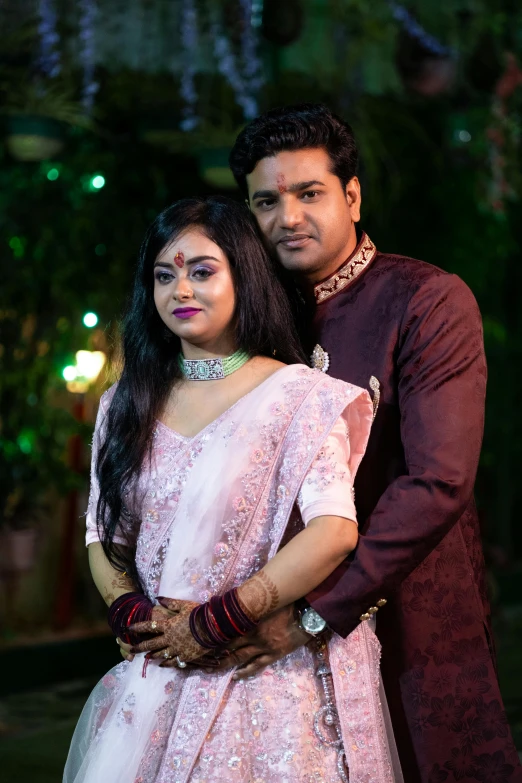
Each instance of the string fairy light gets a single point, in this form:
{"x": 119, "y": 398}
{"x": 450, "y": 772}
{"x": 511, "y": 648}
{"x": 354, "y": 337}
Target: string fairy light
{"x": 189, "y": 37}
{"x": 49, "y": 60}
{"x": 416, "y": 31}
{"x": 87, "y": 52}
{"x": 245, "y": 86}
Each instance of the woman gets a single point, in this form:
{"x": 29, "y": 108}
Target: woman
{"x": 222, "y": 478}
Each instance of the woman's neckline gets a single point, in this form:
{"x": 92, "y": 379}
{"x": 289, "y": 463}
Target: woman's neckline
{"x": 188, "y": 438}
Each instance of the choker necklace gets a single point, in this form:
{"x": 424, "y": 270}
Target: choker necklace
{"x": 212, "y": 369}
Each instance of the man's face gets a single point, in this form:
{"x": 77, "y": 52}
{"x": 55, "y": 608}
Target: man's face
{"x": 304, "y": 212}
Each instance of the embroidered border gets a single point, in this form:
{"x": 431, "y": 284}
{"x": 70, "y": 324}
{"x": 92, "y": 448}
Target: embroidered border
{"x": 352, "y": 269}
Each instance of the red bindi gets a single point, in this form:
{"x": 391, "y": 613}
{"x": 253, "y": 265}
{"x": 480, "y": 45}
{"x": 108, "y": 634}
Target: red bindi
{"x": 179, "y": 259}
{"x": 281, "y": 183}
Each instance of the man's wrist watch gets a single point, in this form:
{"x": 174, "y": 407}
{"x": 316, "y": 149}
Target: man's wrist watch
{"x": 308, "y": 619}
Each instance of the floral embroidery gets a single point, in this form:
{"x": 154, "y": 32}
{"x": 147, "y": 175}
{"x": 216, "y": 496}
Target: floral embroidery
{"x": 264, "y": 720}
{"x": 471, "y": 689}
{"x": 493, "y": 768}
{"x": 493, "y": 721}
{"x": 446, "y": 712}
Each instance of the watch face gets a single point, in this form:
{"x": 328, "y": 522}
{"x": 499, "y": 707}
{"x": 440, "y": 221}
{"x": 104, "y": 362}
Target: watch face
{"x": 312, "y": 622}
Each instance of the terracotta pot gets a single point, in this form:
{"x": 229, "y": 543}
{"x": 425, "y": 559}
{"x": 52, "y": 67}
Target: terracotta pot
{"x": 31, "y": 138}
{"x": 17, "y": 550}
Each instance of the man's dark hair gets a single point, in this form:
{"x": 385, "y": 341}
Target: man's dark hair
{"x": 298, "y": 127}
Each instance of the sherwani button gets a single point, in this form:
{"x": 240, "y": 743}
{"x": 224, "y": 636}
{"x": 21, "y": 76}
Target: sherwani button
{"x": 373, "y": 609}
{"x": 382, "y": 602}
{"x": 365, "y": 616}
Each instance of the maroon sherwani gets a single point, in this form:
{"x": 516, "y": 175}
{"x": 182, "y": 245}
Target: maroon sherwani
{"x": 416, "y": 332}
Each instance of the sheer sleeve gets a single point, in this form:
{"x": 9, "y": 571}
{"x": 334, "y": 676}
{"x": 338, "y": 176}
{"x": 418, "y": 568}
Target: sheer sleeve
{"x": 328, "y": 486}
{"x": 92, "y": 535}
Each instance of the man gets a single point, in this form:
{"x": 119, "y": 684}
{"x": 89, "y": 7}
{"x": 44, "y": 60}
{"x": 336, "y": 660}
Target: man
{"x": 411, "y": 333}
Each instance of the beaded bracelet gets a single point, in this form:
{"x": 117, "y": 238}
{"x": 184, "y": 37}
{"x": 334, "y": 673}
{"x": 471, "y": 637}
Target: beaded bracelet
{"x": 126, "y": 610}
{"x": 218, "y": 621}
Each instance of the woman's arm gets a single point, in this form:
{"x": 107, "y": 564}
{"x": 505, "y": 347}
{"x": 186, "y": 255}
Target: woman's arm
{"x": 110, "y": 582}
{"x": 300, "y": 566}
{"x": 296, "y": 569}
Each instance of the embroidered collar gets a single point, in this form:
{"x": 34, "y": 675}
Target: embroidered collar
{"x": 363, "y": 254}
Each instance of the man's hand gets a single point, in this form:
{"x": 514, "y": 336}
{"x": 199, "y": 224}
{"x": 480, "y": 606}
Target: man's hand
{"x": 273, "y": 638}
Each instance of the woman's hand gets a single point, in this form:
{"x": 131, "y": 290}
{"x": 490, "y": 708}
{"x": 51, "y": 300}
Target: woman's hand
{"x": 125, "y": 650}
{"x": 158, "y": 613}
{"x": 173, "y": 638}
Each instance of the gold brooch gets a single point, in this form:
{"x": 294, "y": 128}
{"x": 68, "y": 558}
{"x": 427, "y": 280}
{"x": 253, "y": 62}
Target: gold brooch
{"x": 320, "y": 359}
{"x": 375, "y": 386}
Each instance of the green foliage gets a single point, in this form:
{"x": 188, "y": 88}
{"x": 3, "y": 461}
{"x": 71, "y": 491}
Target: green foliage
{"x": 65, "y": 249}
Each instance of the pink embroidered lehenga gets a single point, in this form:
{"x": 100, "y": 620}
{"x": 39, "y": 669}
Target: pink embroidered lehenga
{"x": 212, "y": 510}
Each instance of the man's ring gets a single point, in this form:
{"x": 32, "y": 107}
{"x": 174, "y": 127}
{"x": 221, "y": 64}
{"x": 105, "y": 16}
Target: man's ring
{"x": 166, "y": 655}
{"x": 181, "y": 664}
{"x": 154, "y": 625}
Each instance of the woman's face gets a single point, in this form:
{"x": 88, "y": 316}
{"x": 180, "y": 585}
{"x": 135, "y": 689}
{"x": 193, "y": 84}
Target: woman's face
{"x": 194, "y": 292}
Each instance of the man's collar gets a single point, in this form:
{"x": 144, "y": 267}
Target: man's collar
{"x": 356, "y": 263}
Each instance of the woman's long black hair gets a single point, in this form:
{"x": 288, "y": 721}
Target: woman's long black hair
{"x": 264, "y": 323}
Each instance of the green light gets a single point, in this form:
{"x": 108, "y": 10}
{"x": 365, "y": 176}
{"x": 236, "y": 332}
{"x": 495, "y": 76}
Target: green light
{"x": 97, "y": 181}
{"x": 90, "y": 320}
{"x": 17, "y": 246}
{"x": 69, "y": 372}
{"x": 53, "y": 174}
{"x": 24, "y": 443}
{"x": 100, "y": 249}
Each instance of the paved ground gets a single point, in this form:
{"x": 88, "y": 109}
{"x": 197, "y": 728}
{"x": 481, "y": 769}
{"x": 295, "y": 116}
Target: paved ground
{"x": 36, "y": 726}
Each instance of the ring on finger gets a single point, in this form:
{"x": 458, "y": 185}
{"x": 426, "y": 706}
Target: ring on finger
{"x": 166, "y": 655}
{"x": 180, "y": 664}
{"x": 154, "y": 625}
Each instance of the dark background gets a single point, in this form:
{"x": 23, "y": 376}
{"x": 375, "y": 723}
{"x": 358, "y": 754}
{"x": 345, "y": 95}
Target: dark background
{"x": 150, "y": 95}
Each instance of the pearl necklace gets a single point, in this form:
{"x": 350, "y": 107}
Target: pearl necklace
{"x": 212, "y": 369}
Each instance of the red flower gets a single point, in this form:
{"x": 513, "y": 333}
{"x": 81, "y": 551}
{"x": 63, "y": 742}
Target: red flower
{"x": 445, "y": 712}
{"x": 493, "y": 721}
{"x": 441, "y": 649}
{"x": 470, "y": 689}
{"x": 461, "y": 764}
{"x": 425, "y": 598}
{"x": 492, "y": 768}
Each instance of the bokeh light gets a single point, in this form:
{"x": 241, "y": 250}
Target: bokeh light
{"x": 90, "y": 320}
{"x": 69, "y": 373}
{"x": 97, "y": 182}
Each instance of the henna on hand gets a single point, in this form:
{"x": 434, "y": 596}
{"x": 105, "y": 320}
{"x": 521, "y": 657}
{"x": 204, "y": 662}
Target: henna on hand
{"x": 258, "y": 596}
{"x": 120, "y": 582}
{"x": 173, "y": 634}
